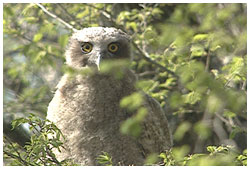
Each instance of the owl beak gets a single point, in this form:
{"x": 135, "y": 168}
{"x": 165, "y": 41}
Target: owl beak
{"x": 97, "y": 62}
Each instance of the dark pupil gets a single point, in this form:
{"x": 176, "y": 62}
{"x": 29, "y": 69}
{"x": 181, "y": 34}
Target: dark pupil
{"x": 112, "y": 47}
{"x": 87, "y": 47}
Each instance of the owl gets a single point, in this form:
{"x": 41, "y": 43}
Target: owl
{"x": 86, "y": 108}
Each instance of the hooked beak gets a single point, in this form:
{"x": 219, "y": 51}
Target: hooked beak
{"x": 97, "y": 62}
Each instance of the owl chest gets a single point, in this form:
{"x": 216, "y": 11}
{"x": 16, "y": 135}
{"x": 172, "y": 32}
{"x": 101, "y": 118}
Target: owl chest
{"x": 99, "y": 102}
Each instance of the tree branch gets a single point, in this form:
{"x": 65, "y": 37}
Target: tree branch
{"x": 65, "y": 11}
{"x": 147, "y": 58}
{"x": 18, "y": 156}
{"x": 208, "y": 61}
{"x": 56, "y": 17}
{"x": 104, "y": 12}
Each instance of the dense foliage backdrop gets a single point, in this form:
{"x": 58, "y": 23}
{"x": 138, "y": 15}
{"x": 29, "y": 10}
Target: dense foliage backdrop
{"x": 192, "y": 58}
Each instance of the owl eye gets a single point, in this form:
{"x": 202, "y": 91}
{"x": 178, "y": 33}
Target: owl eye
{"x": 86, "y": 47}
{"x": 113, "y": 47}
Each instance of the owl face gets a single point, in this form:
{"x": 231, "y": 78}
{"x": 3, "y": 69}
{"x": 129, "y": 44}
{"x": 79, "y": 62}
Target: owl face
{"x": 90, "y": 46}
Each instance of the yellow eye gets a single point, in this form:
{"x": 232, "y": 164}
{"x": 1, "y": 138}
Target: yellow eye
{"x": 113, "y": 47}
{"x": 86, "y": 47}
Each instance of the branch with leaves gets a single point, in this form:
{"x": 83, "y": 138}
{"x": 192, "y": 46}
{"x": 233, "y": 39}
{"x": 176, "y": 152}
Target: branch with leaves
{"x": 56, "y": 17}
{"x": 39, "y": 151}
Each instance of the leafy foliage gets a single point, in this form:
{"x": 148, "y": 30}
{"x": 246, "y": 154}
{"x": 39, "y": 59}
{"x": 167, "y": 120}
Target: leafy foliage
{"x": 39, "y": 151}
{"x": 217, "y": 155}
{"x": 105, "y": 159}
{"x": 192, "y": 58}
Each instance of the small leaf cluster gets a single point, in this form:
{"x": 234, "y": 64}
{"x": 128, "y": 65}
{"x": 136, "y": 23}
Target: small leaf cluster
{"x": 216, "y": 156}
{"x": 45, "y": 139}
{"x": 179, "y": 156}
{"x": 105, "y": 159}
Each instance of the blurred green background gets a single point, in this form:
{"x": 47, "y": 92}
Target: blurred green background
{"x": 204, "y": 45}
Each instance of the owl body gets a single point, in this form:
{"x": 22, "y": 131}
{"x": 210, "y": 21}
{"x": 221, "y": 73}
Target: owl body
{"x": 86, "y": 108}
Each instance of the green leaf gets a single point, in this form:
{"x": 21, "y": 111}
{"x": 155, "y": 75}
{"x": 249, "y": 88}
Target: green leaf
{"x": 211, "y": 149}
{"x": 229, "y": 114}
{"x": 192, "y": 97}
{"x": 180, "y": 152}
{"x": 203, "y": 130}
{"x": 197, "y": 51}
{"x": 105, "y": 159}
{"x": 157, "y": 12}
{"x": 144, "y": 85}
{"x": 234, "y": 132}
{"x": 214, "y": 48}
{"x": 40, "y": 56}
{"x": 163, "y": 155}
{"x": 151, "y": 159}
{"x": 150, "y": 34}
{"x": 214, "y": 103}
{"x": 17, "y": 122}
{"x": 13, "y": 72}
{"x": 37, "y": 37}
{"x": 176, "y": 100}
{"x": 131, "y": 127}
{"x": 181, "y": 130}
{"x": 27, "y": 9}
{"x": 83, "y": 13}
{"x": 63, "y": 40}
{"x": 132, "y": 101}
{"x": 131, "y": 25}
{"x": 200, "y": 37}
{"x": 30, "y": 19}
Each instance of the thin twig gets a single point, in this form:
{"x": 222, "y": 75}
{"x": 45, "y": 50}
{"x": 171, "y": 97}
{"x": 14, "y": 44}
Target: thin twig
{"x": 71, "y": 17}
{"x": 229, "y": 80}
{"x": 243, "y": 87}
{"x": 147, "y": 58}
{"x": 147, "y": 73}
{"x": 18, "y": 156}
{"x": 48, "y": 150}
{"x": 208, "y": 61}
{"x": 108, "y": 14}
{"x": 53, "y": 158}
{"x": 223, "y": 119}
{"x": 56, "y": 17}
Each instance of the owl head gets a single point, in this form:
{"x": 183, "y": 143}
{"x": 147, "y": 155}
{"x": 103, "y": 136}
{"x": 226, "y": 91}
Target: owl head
{"x": 91, "y": 46}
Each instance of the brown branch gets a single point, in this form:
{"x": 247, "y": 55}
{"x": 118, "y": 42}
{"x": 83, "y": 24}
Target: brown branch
{"x": 104, "y": 12}
{"x": 208, "y": 61}
{"x": 18, "y": 156}
{"x": 223, "y": 119}
{"x": 56, "y": 17}
{"x": 147, "y": 58}
{"x": 66, "y": 12}
{"x": 147, "y": 73}
{"x": 229, "y": 80}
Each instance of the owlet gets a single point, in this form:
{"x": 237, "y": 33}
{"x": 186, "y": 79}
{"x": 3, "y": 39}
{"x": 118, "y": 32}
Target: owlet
{"x": 86, "y": 108}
